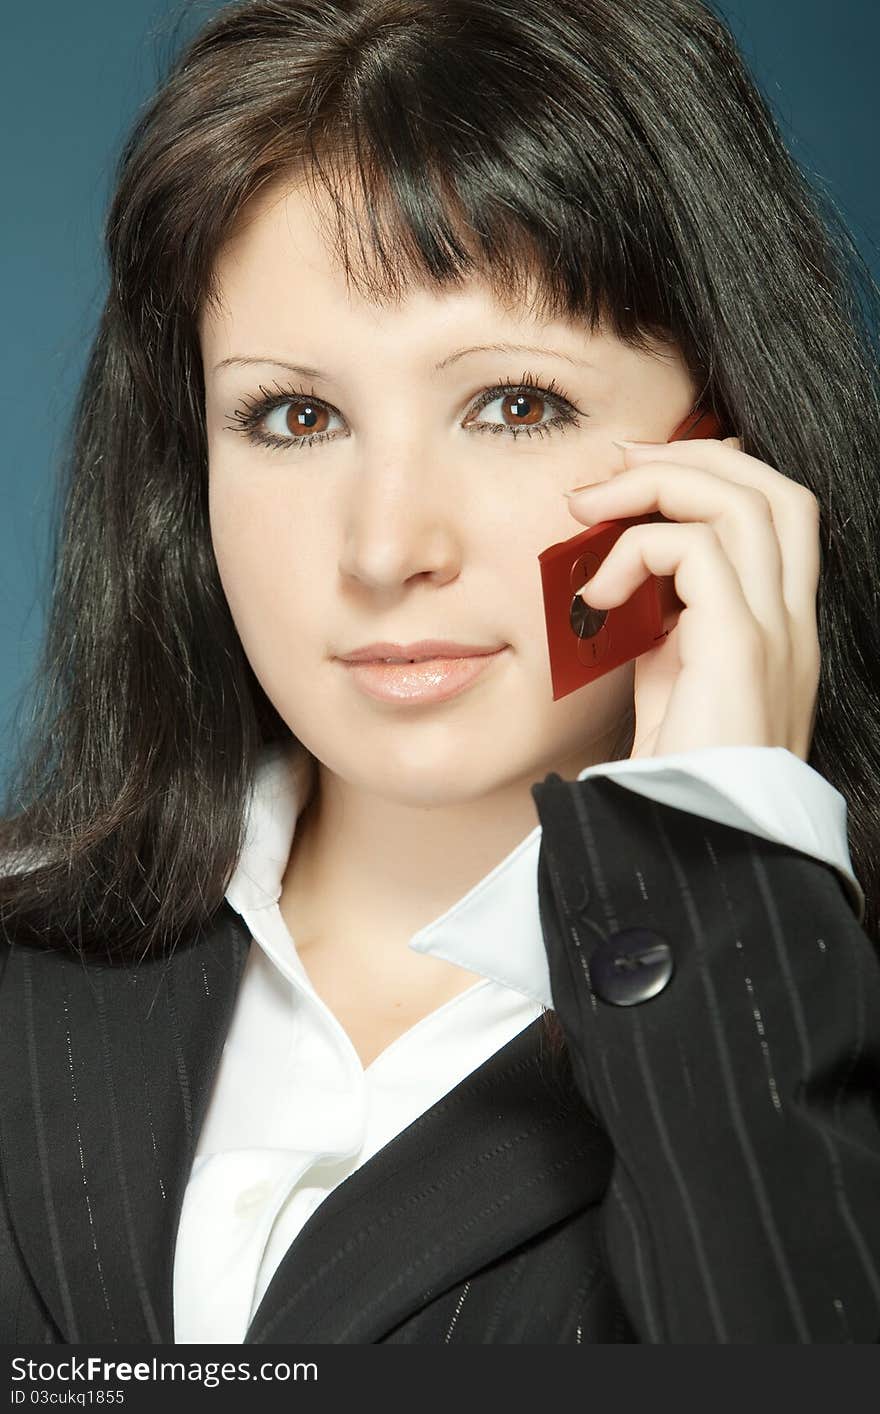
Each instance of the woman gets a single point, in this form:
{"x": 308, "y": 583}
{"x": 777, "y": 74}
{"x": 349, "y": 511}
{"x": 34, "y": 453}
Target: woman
{"x": 311, "y": 1033}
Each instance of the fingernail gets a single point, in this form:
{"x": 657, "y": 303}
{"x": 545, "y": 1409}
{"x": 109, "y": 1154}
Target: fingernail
{"x": 590, "y": 486}
{"x": 624, "y": 445}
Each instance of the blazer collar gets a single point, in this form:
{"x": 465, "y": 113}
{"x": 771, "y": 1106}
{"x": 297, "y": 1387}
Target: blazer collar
{"x": 108, "y": 1072}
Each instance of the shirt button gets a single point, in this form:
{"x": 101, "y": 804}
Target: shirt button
{"x": 630, "y": 966}
{"x": 253, "y": 1197}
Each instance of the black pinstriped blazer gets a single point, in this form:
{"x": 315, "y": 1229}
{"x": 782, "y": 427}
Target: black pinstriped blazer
{"x": 706, "y": 1170}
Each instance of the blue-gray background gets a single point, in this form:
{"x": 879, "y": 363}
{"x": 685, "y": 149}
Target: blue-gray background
{"x": 73, "y": 77}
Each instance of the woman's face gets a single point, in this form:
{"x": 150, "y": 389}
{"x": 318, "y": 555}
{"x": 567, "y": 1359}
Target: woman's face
{"x": 416, "y": 512}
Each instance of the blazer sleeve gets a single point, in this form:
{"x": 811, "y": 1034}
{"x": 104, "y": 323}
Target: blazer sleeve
{"x": 721, "y": 1008}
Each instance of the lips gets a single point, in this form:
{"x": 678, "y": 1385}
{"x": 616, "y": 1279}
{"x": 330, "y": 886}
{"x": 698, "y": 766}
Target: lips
{"x": 425, "y": 649}
{"x": 425, "y": 681}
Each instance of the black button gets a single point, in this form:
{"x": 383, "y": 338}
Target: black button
{"x": 630, "y": 966}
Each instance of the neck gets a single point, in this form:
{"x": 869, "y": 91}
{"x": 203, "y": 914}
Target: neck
{"x": 365, "y": 867}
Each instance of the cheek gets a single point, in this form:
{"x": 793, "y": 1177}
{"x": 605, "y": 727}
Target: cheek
{"x": 265, "y": 561}
{"x": 515, "y": 547}
{"x": 236, "y": 536}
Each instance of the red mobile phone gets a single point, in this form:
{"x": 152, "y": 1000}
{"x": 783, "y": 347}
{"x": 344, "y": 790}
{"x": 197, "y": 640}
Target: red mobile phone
{"x": 584, "y": 642}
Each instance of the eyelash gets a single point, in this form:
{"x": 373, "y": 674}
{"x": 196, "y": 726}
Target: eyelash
{"x": 250, "y": 416}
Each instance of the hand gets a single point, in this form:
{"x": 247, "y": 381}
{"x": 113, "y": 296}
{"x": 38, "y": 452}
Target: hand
{"x": 741, "y": 665}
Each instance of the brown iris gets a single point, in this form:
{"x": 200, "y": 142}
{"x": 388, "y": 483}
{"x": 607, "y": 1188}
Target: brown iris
{"x": 305, "y": 416}
{"x": 527, "y": 408}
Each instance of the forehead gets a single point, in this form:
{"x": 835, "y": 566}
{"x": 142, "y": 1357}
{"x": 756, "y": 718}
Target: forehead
{"x": 294, "y": 241}
{"x": 294, "y": 278}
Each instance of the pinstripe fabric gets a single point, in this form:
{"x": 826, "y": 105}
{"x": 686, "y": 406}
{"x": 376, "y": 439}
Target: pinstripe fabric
{"x": 759, "y": 1220}
{"x": 704, "y": 1167}
{"x": 112, "y": 1056}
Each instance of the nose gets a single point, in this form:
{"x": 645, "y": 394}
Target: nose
{"x": 401, "y": 521}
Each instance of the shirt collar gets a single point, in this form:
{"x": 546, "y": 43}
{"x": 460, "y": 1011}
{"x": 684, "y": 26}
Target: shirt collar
{"x": 494, "y": 929}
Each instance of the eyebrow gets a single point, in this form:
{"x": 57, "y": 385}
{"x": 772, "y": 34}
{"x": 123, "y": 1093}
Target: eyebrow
{"x": 307, "y": 372}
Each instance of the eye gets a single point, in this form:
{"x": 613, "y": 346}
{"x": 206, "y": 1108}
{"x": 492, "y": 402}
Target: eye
{"x": 303, "y": 417}
{"x": 525, "y": 405}
{"x": 267, "y": 420}
{"x": 295, "y": 417}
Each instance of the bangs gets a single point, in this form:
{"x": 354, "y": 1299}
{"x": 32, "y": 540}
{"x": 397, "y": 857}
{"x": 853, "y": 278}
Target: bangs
{"x": 402, "y": 217}
{"x": 397, "y": 228}
{"x": 438, "y": 152}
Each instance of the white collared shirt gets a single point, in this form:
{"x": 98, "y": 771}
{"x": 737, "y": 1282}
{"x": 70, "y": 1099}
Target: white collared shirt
{"x": 293, "y": 1111}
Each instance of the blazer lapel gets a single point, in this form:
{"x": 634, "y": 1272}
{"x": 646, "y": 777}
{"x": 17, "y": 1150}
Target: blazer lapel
{"x": 508, "y": 1152}
{"x": 108, "y": 1071}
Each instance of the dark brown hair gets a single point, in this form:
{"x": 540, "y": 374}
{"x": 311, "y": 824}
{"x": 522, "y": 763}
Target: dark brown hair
{"x": 615, "y": 158}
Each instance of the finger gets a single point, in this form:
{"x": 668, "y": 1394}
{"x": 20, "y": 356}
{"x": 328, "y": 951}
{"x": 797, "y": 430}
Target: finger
{"x": 794, "y": 510}
{"x": 739, "y": 515}
{"x": 716, "y": 628}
